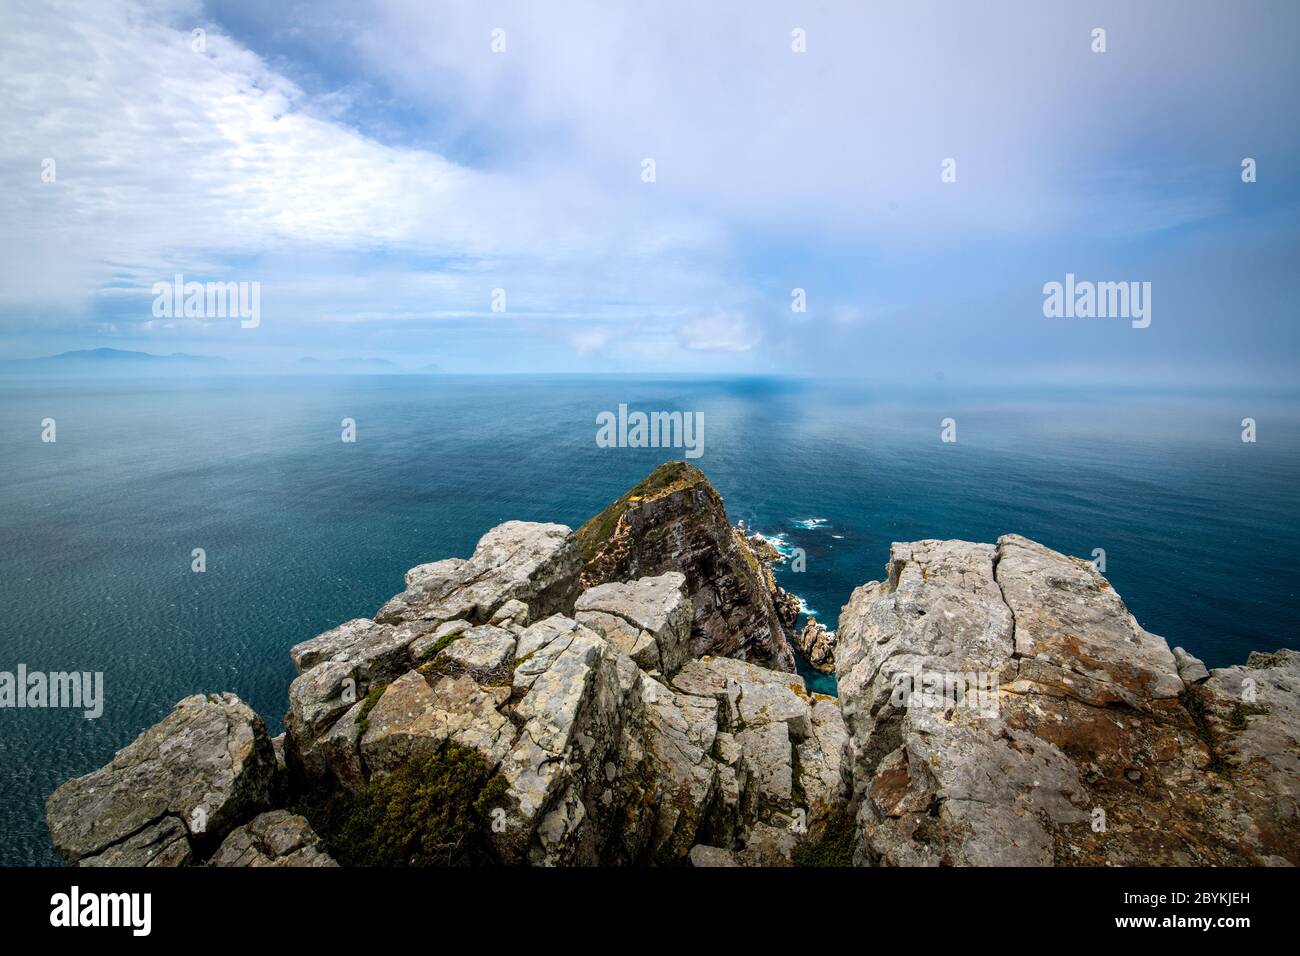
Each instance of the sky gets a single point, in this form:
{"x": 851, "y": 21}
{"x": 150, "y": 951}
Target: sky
{"x": 379, "y": 169}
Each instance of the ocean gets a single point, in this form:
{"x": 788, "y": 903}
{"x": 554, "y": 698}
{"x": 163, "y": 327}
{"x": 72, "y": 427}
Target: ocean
{"x": 302, "y": 531}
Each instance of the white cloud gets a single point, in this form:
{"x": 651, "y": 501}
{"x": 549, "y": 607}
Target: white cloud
{"x": 169, "y": 160}
{"x": 718, "y": 331}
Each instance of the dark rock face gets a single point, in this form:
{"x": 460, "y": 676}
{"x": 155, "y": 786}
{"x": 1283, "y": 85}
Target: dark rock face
{"x": 1088, "y": 749}
{"x": 675, "y": 521}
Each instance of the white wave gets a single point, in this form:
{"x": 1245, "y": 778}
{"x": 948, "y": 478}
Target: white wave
{"x": 811, "y": 524}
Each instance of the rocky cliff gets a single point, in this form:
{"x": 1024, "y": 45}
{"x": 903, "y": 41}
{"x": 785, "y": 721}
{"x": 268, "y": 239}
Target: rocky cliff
{"x": 674, "y": 520}
{"x": 525, "y": 705}
{"x": 1093, "y": 743}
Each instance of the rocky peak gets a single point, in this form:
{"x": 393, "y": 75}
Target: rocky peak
{"x": 674, "y": 520}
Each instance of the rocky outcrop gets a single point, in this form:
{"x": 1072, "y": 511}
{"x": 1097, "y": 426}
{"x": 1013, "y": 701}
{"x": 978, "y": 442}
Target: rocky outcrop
{"x": 998, "y": 705}
{"x": 570, "y": 767}
{"x": 277, "y": 839}
{"x": 675, "y": 520}
{"x": 180, "y": 786}
{"x": 753, "y": 742}
{"x": 648, "y": 619}
{"x": 1005, "y": 708}
{"x": 817, "y": 645}
{"x": 535, "y": 564}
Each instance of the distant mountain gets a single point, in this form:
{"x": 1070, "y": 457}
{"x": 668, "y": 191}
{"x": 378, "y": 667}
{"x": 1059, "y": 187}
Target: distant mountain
{"x": 110, "y": 361}
{"x": 113, "y": 362}
{"x": 124, "y": 355}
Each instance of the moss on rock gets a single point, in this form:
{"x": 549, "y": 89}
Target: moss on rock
{"x": 432, "y": 812}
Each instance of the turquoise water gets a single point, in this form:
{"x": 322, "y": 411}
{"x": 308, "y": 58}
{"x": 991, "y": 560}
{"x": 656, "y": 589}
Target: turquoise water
{"x": 303, "y": 531}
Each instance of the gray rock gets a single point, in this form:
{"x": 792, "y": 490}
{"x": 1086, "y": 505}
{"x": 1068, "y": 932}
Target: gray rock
{"x": 1191, "y": 670}
{"x": 681, "y": 731}
{"x": 1068, "y": 616}
{"x": 337, "y": 670}
{"x": 648, "y": 619}
{"x": 512, "y": 612}
{"x": 768, "y": 846}
{"x": 540, "y": 646}
{"x": 340, "y": 643}
{"x": 817, "y": 645}
{"x": 209, "y": 764}
{"x": 1255, "y": 712}
{"x": 823, "y": 762}
{"x": 703, "y": 856}
{"x": 767, "y": 748}
{"x": 165, "y": 843}
{"x": 413, "y": 721}
{"x": 580, "y": 714}
{"x": 536, "y": 564}
{"x": 1083, "y": 723}
{"x": 335, "y": 756}
{"x": 749, "y": 694}
{"x": 481, "y": 651}
{"x": 423, "y": 647}
{"x": 275, "y": 839}
{"x": 316, "y": 700}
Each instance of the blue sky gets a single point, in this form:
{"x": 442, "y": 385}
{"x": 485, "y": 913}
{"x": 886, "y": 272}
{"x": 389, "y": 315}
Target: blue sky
{"x": 380, "y": 170}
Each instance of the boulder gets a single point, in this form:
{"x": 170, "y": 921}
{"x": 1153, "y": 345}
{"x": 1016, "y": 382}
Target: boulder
{"x": 681, "y": 731}
{"x": 823, "y": 764}
{"x": 278, "y": 838}
{"x": 817, "y": 645}
{"x": 512, "y": 612}
{"x": 484, "y": 652}
{"x": 648, "y": 619}
{"x": 1253, "y": 713}
{"x": 1190, "y": 669}
{"x": 434, "y": 641}
{"x": 749, "y": 695}
{"x": 337, "y": 669}
{"x": 165, "y": 843}
{"x": 705, "y": 856}
{"x": 535, "y": 564}
{"x": 208, "y": 766}
{"x": 413, "y": 720}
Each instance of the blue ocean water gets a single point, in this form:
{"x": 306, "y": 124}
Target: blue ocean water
{"x": 303, "y": 531}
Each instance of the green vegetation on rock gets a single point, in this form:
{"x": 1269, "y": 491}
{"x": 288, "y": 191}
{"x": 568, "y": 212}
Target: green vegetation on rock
{"x": 433, "y": 812}
{"x": 669, "y": 477}
{"x": 363, "y": 715}
{"x": 833, "y": 846}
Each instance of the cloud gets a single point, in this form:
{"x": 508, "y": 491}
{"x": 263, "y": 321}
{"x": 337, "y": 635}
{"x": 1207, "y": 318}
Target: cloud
{"x": 381, "y": 171}
{"x": 717, "y": 332}
{"x": 210, "y": 163}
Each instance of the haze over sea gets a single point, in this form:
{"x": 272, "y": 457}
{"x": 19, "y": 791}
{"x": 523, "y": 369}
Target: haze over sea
{"x": 303, "y": 531}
